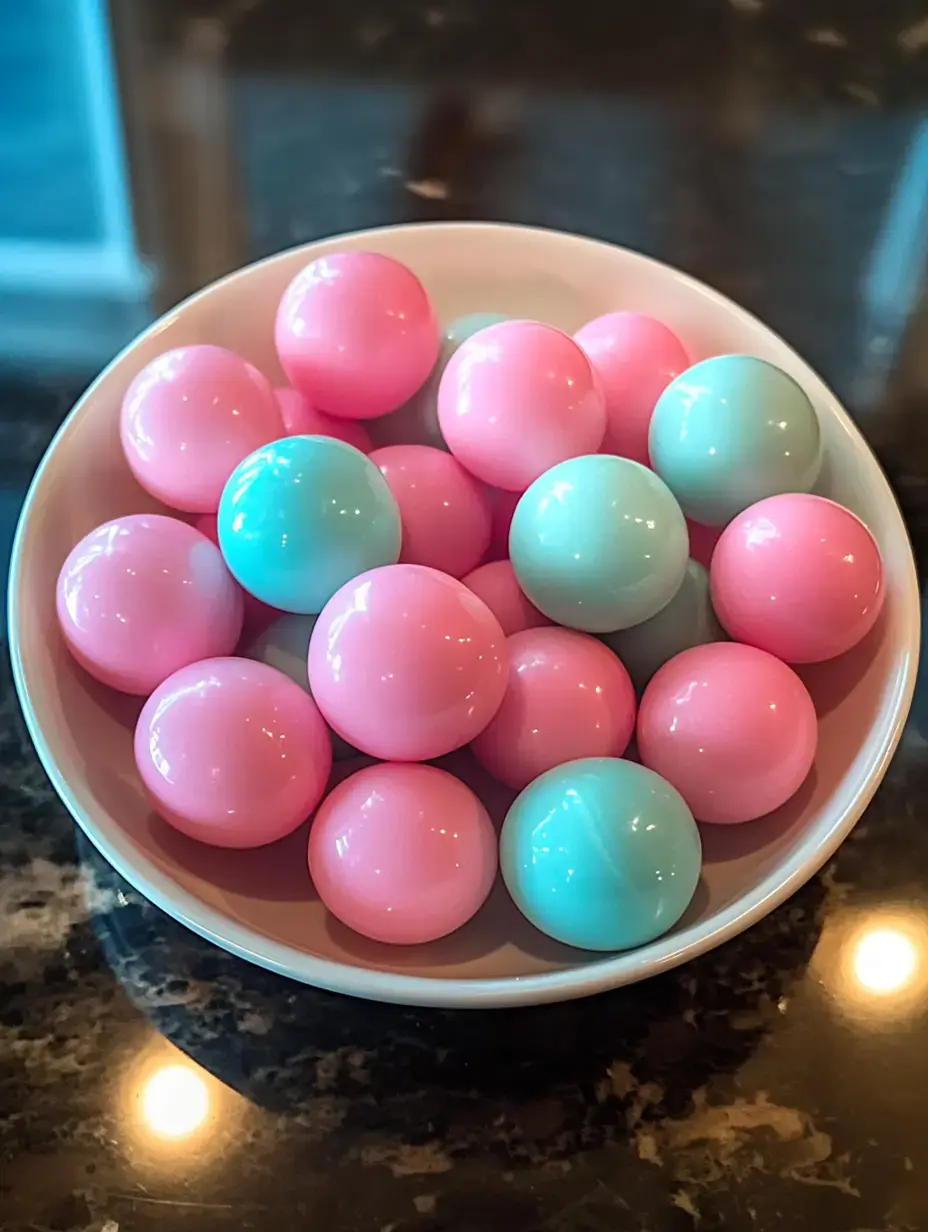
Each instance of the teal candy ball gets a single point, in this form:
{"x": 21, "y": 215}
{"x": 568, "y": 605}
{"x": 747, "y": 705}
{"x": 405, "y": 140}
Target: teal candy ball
{"x": 601, "y": 853}
{"x": 730, "y": 431}
{"x": 598, "y": 543}
{"x": 687, "y": 620}
{"x": 302, "y": 516}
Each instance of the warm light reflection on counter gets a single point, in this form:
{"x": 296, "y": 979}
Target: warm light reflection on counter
{"x": 875, "y": 963}
{"x": 176, "y": 1111}
{"x": 174, "y": 1101}
{"x": 886, "y": 961}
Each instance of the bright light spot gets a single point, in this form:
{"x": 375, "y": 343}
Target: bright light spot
{"x": 885, "y": 961}
{"x": 175, "y": 1101}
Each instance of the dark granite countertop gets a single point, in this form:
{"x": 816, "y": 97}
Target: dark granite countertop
{"x": 777, "y": 149}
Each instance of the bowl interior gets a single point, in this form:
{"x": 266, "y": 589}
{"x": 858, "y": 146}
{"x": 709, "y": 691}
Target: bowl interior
{"x": 262, "y": 905}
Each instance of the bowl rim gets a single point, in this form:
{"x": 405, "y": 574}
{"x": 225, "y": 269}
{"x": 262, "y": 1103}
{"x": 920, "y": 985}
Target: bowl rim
{"x": 557, "y": 984}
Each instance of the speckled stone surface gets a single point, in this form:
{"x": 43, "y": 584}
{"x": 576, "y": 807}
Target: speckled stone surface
{"x": 150, "y": 1082}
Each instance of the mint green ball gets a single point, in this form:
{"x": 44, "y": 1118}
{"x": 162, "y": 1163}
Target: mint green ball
{"x": 598, "y": 543}
{"x": 731, "y": 431}
{"x": 687, "y": 620}
{"x": 465, "y": 327}
{"x": 601, "y": 853}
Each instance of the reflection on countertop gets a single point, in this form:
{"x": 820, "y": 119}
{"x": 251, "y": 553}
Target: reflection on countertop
{"x": 176, "y": 1110}
{"x": 874, "y": 963}
{"x": 775, "y": 148}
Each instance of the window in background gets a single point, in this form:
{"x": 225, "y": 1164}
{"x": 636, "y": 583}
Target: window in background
{"x": 73, "y": 287}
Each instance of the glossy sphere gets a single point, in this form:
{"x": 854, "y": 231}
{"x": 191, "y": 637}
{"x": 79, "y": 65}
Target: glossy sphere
{"x": 601, "y": 853}
{"x": 303, "y": 515}
{"x": 416, "y": 421}
{"x": 798, "y": 576}
{"x": 407, "y": 664}
{"x": 516, "y": 399}
{"x": 503, "y": 508}
{"x": 445, "y": 511}
{"x": 356, "y": 334}
{"x": 284, "y": 645}
{"x": 730, "y": 431}
{"x": 599, "y": 543}
{"x": 472, "y": 323}
{"x": 300, "y": 418}
{"x": 189, "y": 418}
{"x": 232, "y": 752}
{"x": 731, "y": 727}
{"x": 686, "y": 621}
{"x": 636, "y": 358}
{"x": 702, "y": 541}
{"x": 257, "y": 614}
{"x": 495, "y": 583}
{"x": 568, "y": 696}
{"x": 403, "y": 854}
{"x": 142, "y": 596}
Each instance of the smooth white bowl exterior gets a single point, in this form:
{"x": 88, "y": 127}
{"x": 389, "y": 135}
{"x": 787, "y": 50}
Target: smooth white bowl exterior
{"x": 262, "y": 908}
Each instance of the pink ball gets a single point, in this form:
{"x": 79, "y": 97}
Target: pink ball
{"x": 516, "y": 399}
{"x": 356, "y": 334}
{"x": 142, "y": 596}
{"x": 702, "y": 541}
{"x": 444, "y": 510}
{"x": 568, "y": 697}
{"x": 798, "y": 576}
{"x": 503, "y": 507}
{"x": 495, "y": 583}
{"x": 189, "y": 418}
{"x": 731, "y": 727}
{"x": 636, "y": 358}
{"x": 402, "y": 854}
{"x": 257, "y": 615}
{"x": 232, "y": 752}
{"x": 406, "y": 663}
{"x": 302, "y": 419}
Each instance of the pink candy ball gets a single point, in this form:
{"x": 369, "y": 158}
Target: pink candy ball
{"x": 406, "y": 663}
{"x": 503, "y": 507}
{"x": 142, "y": 596}
{"x": 444, "y": 510}
{"x": 356, "y": 334}
{"x": 402, "y": 853}
{"x": 702, "y": 541}
{"x": 636, "y": 358}
{"x": 495, "y": 583}
{"x": 257, "y": 615}
{"x": 302, "y": 419}
{"x": 516, "y": 399}
{"x": 798, "y": 576}
{"x": 568, "y": 697}
{"x": 189, "y": 418}
{"x": 232, "y": 752}
{"x": 731, "y": 727}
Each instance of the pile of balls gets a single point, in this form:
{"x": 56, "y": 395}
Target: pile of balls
{"x": 502, "y": 537}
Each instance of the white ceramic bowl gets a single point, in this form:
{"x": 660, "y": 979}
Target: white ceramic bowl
{"x": 261, "y": 906}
